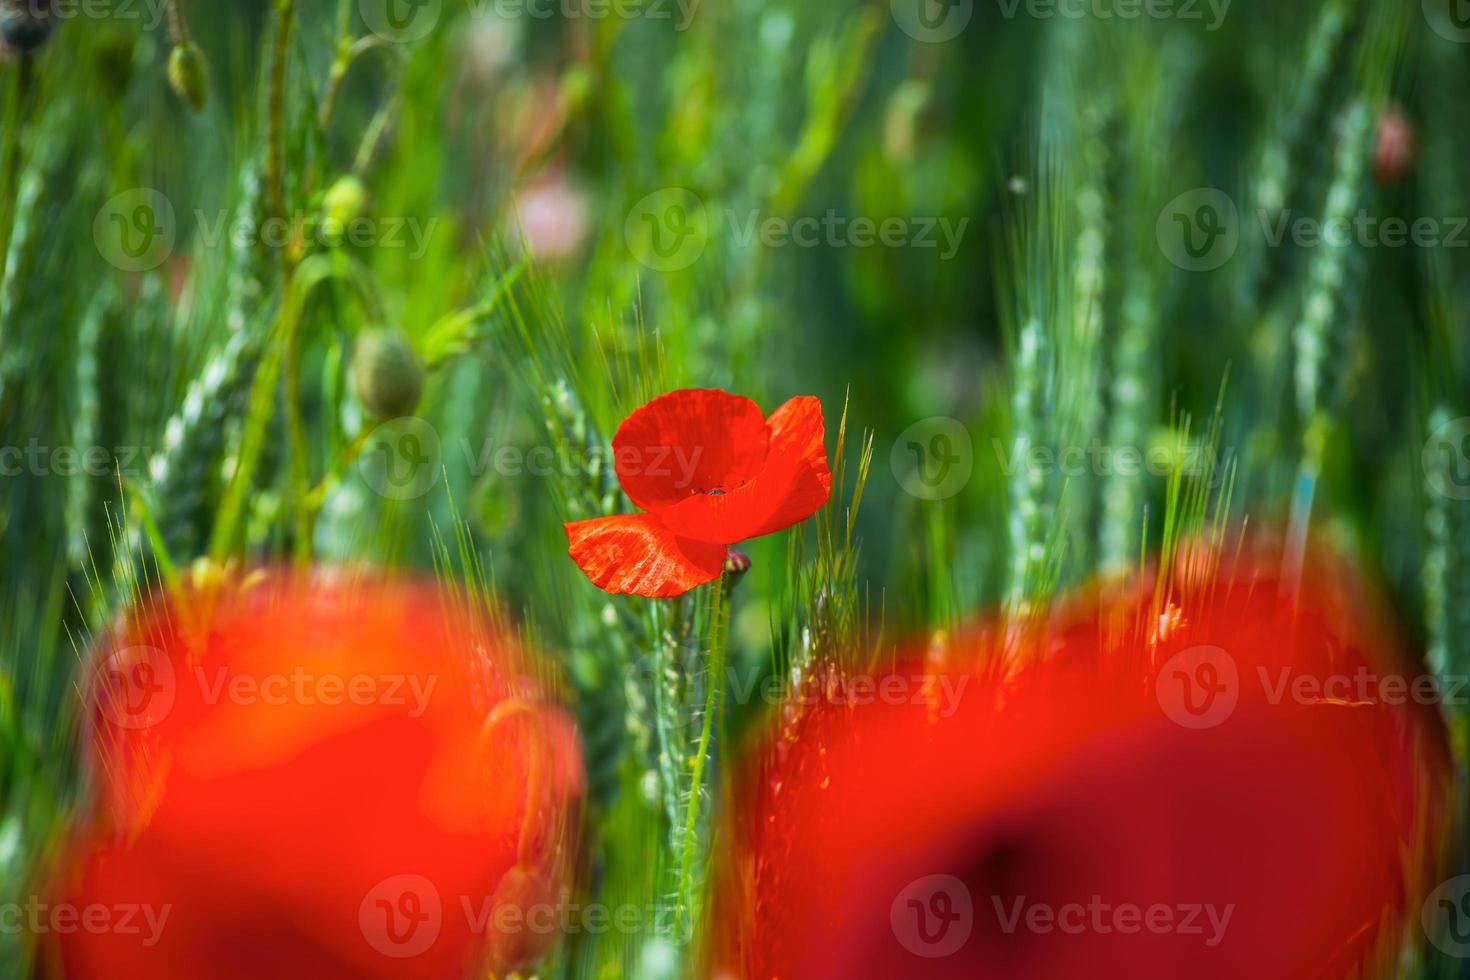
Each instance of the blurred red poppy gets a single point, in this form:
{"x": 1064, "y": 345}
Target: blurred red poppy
{"x": 1219, "y": 781}
{"x": 710, "y": 470}
{"x": 314, "y": 777}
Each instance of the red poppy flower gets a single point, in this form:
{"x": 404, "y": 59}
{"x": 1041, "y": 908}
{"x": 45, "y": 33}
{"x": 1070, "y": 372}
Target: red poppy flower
{"x": 710, "y": 470}
{"x": 314, "y": 778}
{"x": 1228, "y": 784}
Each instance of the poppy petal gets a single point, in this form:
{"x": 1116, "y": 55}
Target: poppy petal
{"x": 916, "y": 832}
{"x": 687, "y": 442}
{"x": 795, "y": 482}
{"x": 634, "y": 553}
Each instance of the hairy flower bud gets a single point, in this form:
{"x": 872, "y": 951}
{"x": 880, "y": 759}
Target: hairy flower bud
{"x": 188, "y": 74}
{"x": 342, "y": 204}
{"x": 386, "y": 374}
{"x": 25, "y": 25}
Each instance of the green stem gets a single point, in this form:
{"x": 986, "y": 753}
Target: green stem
{"x": 178, "y": 24}
{"x": 296, "y": 434}
{"x": 714, "y": 688}
{"x": 262, "y": 404}
{"x": 16, "y": 113}
{"x": 275, "y": 168}
{"x": 341, "y": 61}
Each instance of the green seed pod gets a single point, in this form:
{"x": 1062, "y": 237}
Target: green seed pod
{"x": 343, "y": 203}
{"x": 188, "y": 74}
{"x": 26, "y": 24}
{"x": 386, "y": 374}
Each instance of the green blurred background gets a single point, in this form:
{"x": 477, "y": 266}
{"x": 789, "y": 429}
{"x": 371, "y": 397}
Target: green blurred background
{"x": 565, "y": 208}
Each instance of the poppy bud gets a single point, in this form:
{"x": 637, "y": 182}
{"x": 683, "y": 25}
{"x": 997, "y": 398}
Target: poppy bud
{"x": 188, "y": 74}
{"x": 519, "y": 944}
{"x": 737, "y": 563}
{"x": 26, "y": 24}
{"x": 1393, "y": 151}
{"x": 386, "y": 374}
{"x": 342, "y": 204}
{"x": 315, "y": 777}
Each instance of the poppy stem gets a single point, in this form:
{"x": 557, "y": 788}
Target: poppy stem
{"x": 714, "y": 688}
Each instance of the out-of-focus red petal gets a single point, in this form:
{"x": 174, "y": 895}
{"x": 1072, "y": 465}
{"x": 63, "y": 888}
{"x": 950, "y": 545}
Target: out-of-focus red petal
{"x": 317, "y": 755}
{"x": 634, "y": 553}
{"x": 794, "y": 483}
{"x": 687, "y": 442}
{"x": 913, "y": 825}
